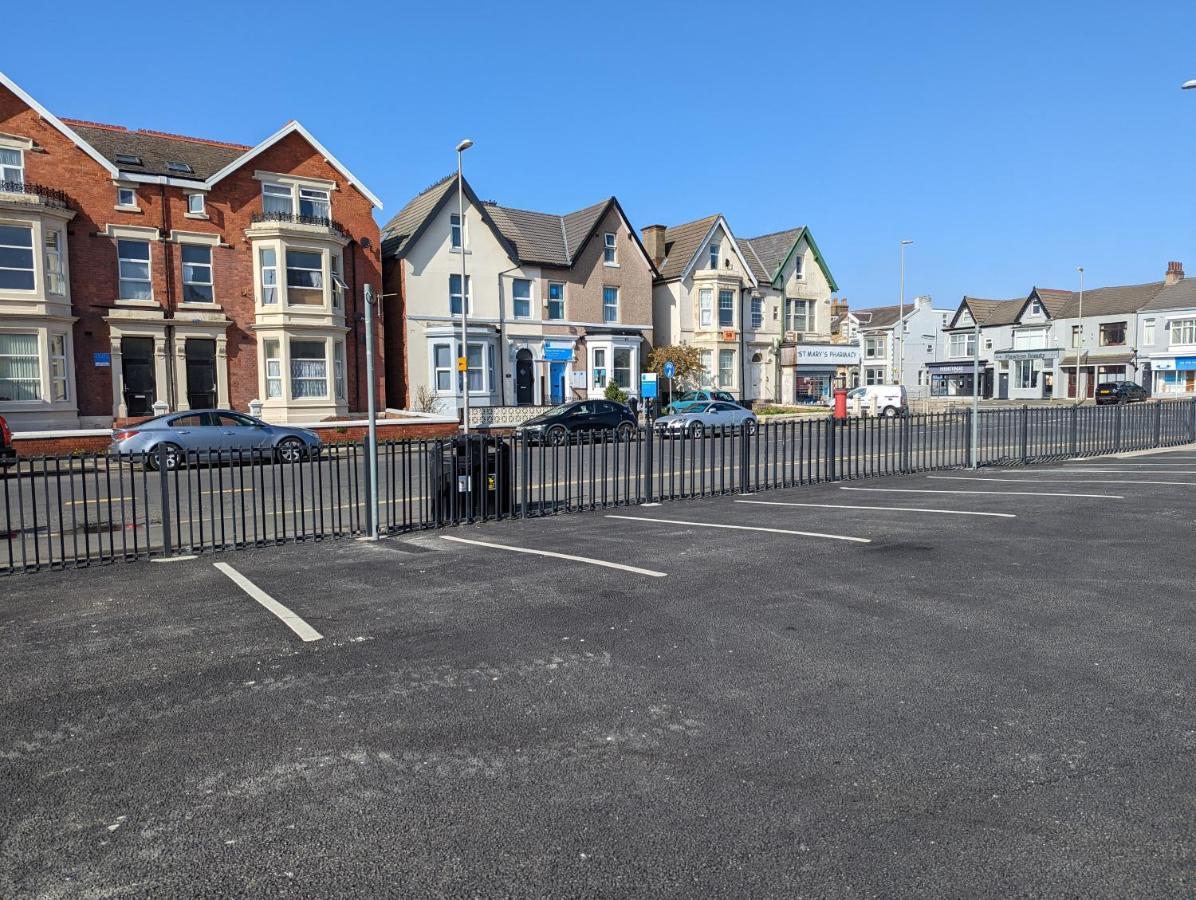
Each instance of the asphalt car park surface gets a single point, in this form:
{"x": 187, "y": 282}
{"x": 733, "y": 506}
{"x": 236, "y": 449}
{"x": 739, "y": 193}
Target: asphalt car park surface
{"x": 816, "y": 700}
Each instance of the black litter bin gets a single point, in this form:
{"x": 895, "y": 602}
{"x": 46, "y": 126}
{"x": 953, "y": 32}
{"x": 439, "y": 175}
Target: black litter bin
{"x": 471, "y": 478}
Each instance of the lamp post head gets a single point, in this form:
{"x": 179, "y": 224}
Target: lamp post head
{"x": 464, "y": 145}
{"x": 904, "y": 243}
{"x": 1188, "y": 85}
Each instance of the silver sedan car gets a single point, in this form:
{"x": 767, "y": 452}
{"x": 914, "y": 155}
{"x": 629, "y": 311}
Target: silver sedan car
{"x": 206, "y": 434}
{"x": 698, "y": 420}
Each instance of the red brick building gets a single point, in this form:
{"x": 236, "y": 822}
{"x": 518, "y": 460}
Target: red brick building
{"x": 138, "y": 267}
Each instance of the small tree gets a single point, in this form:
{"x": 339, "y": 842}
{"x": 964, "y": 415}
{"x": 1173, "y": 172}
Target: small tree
{"x": 426, "y": 401}
{"x": 616, "y": 393}
{"x": 688, "y": 361}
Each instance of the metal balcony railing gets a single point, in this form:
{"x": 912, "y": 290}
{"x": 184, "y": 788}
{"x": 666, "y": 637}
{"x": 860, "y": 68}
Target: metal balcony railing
{"x": 45, "y": 195}
{"x": 298, "y": 219}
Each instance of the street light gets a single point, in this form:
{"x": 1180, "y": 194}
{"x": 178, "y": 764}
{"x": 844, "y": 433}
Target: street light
{"x": 1080, "y": 344}
{"x": 463, "y": 359}
{"x": 900, "y": 332}
{"x": 1189, "y": 85}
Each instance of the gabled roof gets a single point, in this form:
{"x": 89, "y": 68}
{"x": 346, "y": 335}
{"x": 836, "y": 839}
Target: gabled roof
{"x": 156, "y": 149}
{"x": 405, "y": 228}
{"x": 681, "y": 243}
{"x": 1110, "y": 301}
{"x": 1052, "y": 300}
{"x": 209, "y": 161}
{"x": 989, "y": 312}
{"x": 880, "y": 316}
{"x": 775, "y": 250}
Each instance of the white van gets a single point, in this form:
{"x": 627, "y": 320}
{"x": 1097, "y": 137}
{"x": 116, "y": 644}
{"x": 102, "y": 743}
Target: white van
{"x": 890, "y": 399}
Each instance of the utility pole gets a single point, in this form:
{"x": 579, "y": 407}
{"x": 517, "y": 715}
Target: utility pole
{"x": 372, "y": 412}
{"x": 900, "y": 330}
{"x": 463, "y": 359}
{"x": 976, "y": 394}
{"x": 1080, "y": 342}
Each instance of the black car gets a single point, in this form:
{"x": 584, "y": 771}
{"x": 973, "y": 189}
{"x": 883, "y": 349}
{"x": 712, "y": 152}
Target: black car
{"x": 8, "y": 453}
{"x": 1120, "y": 392}
{"x": 579, "y": 417}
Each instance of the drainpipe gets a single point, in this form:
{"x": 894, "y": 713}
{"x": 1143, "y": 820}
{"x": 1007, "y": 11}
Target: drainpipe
{"x": 350, "y": 275}
{"x": 168, "y": 270}
{"x": 743, "y": 347}
{"x": 502, "y": 337}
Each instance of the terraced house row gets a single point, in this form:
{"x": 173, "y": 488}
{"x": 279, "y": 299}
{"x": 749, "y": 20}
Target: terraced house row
{"x": 139, "y": 269}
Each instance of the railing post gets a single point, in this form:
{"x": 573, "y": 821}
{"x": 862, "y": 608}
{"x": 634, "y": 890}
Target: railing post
{"x": 745, "y": 460}
{"x": 1118, "y": 416}
{"x": 164, "y": 481}
{"x": 525, "y": 465}
{"x": 1192, "y": 421}
{"x": 829, "y": 423}
{"x": 1075, "y": 430}
{"x": 649, "y": 449}
{"x": 1158, "y": 424}
{"x": 1025, "y": 434}
{"x": 906, "y": 436}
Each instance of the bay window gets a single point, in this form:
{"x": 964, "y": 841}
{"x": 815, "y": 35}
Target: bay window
{"x": 16, "y": 258}
{"x": 53, "y": 245}
{"x": 309, "y": 369}
{"x": 599, "y": 367}
{"x": 707, "y": 360}
{"x": 197, "y": 273}
{"x": 338, "y": 283}
{"x": 20, "y": 367}
{"x": 12, "y": 167}
{"x": 270, "y": 351}
{"x": 474, "y": 362}
{"x": 726, "y": 309}
{"x": 338, "y": 368}
{"x": 305, "y": 278}
{"x": 134, "y": 263}
{"x": 268, "y": 263}
{"x": 442, "y": 367}
{"x": 58, "y": 367}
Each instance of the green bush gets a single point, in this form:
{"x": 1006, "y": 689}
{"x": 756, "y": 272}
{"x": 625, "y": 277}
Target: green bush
{"x": 616, "y": 393}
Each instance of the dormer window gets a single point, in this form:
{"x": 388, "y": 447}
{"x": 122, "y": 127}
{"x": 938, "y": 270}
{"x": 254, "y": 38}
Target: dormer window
{"x": 12, "y": 167}
{"x": 128, "y": 159}
{"x": 180, "y": 167}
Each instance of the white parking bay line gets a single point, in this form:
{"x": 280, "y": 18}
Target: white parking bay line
{"x": 913, "y": 509}
{"x": 1056, "y": 480}
{"x": 990, "y": 493}
{"x": 288, "y": 618}
{"x": 581, "y": 559}
{"x": 815, "y": 534}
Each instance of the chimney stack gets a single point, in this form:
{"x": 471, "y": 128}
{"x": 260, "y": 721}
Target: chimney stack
{"x": 1175, "y": 273}
{"x": 654, "y": 243}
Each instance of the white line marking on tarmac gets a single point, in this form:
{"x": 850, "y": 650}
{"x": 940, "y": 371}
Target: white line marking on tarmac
{"x": 184, "y": 558}
{"x": 990, "y": 493}
{"x": 915, "y": 509}
{"x": 815, "y": 534}
{"x": 1151, "y": 472}
{"x": 288, "y": 618}
{"x": 1055, "y": 480}
{"x": 581, "y": 559}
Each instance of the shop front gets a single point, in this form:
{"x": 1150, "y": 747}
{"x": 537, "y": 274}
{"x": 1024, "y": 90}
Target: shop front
{"x": 1171, "y": 376}
{"x": 810, "y": 372}
{"x": 956, "y": 379}
{"x": 1094, "y": 370}
{"x": 1026, "y": 374}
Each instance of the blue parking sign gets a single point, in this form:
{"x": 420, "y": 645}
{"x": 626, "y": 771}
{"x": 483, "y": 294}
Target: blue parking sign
{"x": 670, "y": 369}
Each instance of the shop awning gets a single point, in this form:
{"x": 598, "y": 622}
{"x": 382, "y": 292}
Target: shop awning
{"x": 1104, "y": 359}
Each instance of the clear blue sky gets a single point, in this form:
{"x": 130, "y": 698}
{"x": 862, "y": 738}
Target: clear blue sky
{"x": 1012, "y": 141}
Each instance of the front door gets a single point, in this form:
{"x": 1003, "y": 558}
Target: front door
{"x": 755, "y": 379}
{"x": 1003, "y": 386}
{"x": 137, "y": 372}
{"x": 1048, "y": 385}
{"x": 201, "y": 373}
{"x": 525, "y": 379}
{"x": 556, "y": 382}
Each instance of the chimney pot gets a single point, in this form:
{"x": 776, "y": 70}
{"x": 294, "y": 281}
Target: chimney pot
{"x": 1175, "y": 272}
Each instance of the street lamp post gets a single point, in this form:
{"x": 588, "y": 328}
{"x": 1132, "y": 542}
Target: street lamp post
{"x": 463, "y": 359}
{"x": 1189, "y": 85}
{"x": 1080, "y": 342}
{"x": 900, "y": 330}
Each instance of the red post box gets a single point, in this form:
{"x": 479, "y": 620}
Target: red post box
{"x": 840, "y": 403}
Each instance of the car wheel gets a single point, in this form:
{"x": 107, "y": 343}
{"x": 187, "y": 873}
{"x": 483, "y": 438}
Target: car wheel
{"x": 558, "y": 435}
{"x": 696, "y": 430}
{"x": 289, "y": 450}
{"x": 1122, "y": 401}
{"x": 890, "y": 412}
{"x": 750, "y": 426}
{"x": 174, "y": 454}
{"x": 625, "y": 431}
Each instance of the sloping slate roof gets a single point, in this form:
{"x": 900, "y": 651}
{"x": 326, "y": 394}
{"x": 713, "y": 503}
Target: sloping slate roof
{"x": 757, "y": 265}
{"x": 1181, "y": 295}
{"x": 579, "y": 224}
{"x": 681, "y": 243}
{"x": 878, "y": 316}
{"x": 1003, "y": 312}
{"x": 773, "y": 248}
{"x": 1111, "y": 300}
{"x": 538, "y": 237}
{"x": 206, "y": 158}
{"x": 407, "y": 220}
{"x": 1054, "y": 300}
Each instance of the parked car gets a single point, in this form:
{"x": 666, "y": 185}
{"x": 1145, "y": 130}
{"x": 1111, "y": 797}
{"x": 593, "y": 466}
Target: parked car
{"x": 891, "y": 399}
{"x": 698, "y": 420}
{"x": 579, "y": 417}
{"x": 209, "y": 432}
{"x": 8, "y": 453}
{"x": 1120, "y": 392}
{"x": 692, "y": 399}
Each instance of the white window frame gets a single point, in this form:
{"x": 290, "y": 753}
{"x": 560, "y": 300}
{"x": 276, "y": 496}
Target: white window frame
{"x": 54, "y": 259}
{"x": 149, "y": 270}
{"x": 268, "y": 287}
{"x": 447, "y": 370}
{"x": 456, "y": 229}
{"x": 131, "y": 202}
{"x": 209, "y": 284}
{"x": 338, "y": 370}
{"x": 324, "y": 280}
{"x": 757, "y": 313}
{"x": 961, "y": 345}
{"x": 724, "y": 293}
{"x": 516, "y": 299}
{"x": 799, "y": 267}
{"x": 294, "y": 395}
{"x": 616, "y": 369}
{"x": 38, "y": 393}
{"x": 456, "y": 298}
{"x": 197, "y": 209}
{"x": 1148, "y": 335}
{"x": 876, "y": 346}
{"x": 598, "y": 366}
{"x": 298, "y": 194}
{"x": 706, "y": 307}
{"x": 31, "y": 249}
{"x": 59, "y": 362}
{"x": 729, "y": 380}
{"x": 336, "y": 280}
{"x": 874, "y": 375}
{"x": 1186, "y": 328}
{"x": 714, "y": 254}
{"x": 610, "y": 248}
{"x": 8, "y": 170}
{"x": 706, "y": 358}
{"x": 792, "y": 305}
{"x": 273, "y": 368}
{"x": 606, "y": 305}
{"x": 1077, "y": 336}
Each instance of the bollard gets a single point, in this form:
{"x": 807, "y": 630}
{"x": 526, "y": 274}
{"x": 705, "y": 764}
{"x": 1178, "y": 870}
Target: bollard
{"x": 167, "y": 550}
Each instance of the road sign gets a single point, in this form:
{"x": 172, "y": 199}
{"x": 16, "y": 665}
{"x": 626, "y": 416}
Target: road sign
{"x": 462, "y": 364}
{"x": 670, "y": 369}
{"x": 647, "y": 385}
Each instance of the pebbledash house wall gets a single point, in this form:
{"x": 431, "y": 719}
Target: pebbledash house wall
{"x": 57, "y": 162}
